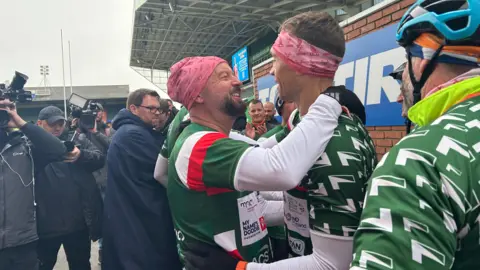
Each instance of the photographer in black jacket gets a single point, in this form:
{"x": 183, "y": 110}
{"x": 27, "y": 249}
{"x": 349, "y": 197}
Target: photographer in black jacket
{"x": 23, "y": 154}
{"x": 69, "y": 205}
{"x": 102, "y": 142}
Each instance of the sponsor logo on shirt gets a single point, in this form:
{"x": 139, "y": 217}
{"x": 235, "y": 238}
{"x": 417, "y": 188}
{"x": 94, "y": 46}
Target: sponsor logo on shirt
{"x": 252, "y": 222}
{"x": 263, "y": 255}
{"x": 247, "y": 204}
{"x": 180, "y": 236}
{"x": 297, "y": 245}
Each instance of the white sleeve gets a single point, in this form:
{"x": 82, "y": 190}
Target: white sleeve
{"x": 283, "y": 166}
{"x": 272, "y": 211}
{"x": 268, "y": 143}
{"x": 161, "y": 170}
{"x": 272, "y": 195}
{"x": 328, "y": 254}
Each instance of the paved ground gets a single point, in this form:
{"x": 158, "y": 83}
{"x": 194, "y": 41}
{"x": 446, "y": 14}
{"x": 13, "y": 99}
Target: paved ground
{"x": 62, "y": 260}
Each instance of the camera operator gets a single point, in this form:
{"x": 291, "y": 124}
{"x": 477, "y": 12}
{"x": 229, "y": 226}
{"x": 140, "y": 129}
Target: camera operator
{"x": 24, "y": 153}
{"x": 102, "y": 142}
{"x": 100, "y": 125}
{"x": 69, "y": 204}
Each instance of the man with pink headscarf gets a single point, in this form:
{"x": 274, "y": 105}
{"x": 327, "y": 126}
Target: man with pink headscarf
{"x": 209, "y": 173}
{"x": 323, "y": 211}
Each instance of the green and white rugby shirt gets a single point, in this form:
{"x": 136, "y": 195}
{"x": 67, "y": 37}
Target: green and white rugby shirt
{"x": 205, "y": 206}
{"x": 329, "y": 198}
{"x": 422, "y": 209}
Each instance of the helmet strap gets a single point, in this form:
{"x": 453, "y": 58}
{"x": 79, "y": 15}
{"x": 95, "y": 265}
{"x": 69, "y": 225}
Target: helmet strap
{"x": 418, "y": 85}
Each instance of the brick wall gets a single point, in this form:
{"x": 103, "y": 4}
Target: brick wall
{"x": 383, "y": 137}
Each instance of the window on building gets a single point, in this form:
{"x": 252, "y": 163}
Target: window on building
{"x": 247, "y": 91}
{"x": 340, "y": 12}
{"x": 365, "y": 5}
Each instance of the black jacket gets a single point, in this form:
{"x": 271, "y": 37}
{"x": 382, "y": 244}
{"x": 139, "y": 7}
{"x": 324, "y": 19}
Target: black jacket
{"x": 138, "y": 230}
{"x": 68, "y": 199}
{"x": 102, "y": 142}
{"x": 22, "y": 158}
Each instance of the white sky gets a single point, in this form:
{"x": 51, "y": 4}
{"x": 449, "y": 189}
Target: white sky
{"x": 99, "y": 32}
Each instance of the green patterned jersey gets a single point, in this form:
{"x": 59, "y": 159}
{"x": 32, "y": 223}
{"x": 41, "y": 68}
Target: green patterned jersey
{"x": 329, "y": 198}
{"x": 204, "y": 203}
{"x": 422, "y": 209}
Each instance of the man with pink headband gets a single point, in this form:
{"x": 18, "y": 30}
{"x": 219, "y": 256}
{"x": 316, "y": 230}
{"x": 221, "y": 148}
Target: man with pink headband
{"x": 209, "y": 173}
{"x": 323, "y": 212}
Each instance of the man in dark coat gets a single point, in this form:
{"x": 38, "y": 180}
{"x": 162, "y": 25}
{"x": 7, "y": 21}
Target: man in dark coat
{"x": 138, "y": 231}
{"x": 69, "y": 206}
{"x": 29, "y": 148}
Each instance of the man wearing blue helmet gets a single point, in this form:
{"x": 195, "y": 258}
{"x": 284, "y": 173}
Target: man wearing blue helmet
{"x": 422, "y": 209}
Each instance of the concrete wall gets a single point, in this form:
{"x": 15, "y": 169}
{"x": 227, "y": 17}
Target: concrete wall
{"x": 384, "y": 137}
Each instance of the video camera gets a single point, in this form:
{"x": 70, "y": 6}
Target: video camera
{"x": 15, "y": 93}
{"x": 83, "y": 109}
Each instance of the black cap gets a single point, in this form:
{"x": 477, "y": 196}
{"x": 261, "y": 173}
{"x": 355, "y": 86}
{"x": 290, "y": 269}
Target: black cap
{"x": 52, "y": 114}
{"x": 397, "y": 73}
{"x": 348, "y": 99}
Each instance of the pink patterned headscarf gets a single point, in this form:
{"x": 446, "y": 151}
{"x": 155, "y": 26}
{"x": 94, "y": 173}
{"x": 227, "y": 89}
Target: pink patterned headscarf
{"x": 189, "y": 76}
{"x": 304, "y": 57}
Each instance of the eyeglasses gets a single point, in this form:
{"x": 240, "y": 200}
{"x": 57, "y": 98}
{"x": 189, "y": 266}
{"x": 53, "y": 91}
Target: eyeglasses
{"x": 152, "y": 109}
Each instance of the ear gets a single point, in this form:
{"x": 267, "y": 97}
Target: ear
{"x": 199, "y": 99}
{"x": 422, "y": 65}
{"x": 132, "y": 108}
{"x": 39, "y": 123}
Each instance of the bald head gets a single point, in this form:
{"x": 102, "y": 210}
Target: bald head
{"x": 269, "y": 109}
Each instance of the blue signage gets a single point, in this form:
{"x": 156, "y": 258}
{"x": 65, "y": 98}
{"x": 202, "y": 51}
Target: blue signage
{"x": 368, "y": 61}
{"x": 240, "y": 65}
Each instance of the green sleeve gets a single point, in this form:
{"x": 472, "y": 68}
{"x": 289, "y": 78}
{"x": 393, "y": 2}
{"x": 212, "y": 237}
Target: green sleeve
{"x": 416, "y": 205}
{"x": 272, "y": 132}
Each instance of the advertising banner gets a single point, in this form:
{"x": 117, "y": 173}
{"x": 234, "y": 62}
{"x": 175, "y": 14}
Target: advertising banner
{"x": 368, "y": 61}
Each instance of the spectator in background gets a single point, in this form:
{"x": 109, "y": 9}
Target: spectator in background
{"x": 69, "y": 206}
{"x": 101, "y": 125}
{"x": 102, "y": 142}
{"x": 138, "y": 229}
{"x": 284, "y": 109}
{"x": 172, "y": 108}
{"x": 397, "y": 75}
{"x": 160, "y": 123}
{"x": 257, "y": 113}
{"x": 269, "y": 109}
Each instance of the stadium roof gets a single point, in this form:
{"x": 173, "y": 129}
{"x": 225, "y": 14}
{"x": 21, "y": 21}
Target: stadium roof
{"x": 167, "y": 31}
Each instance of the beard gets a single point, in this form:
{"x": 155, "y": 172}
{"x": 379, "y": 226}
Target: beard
{"x": 232, "y": 107}
{"x": 407, "y": 91}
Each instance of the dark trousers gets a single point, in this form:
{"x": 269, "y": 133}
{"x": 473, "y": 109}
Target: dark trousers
{"x": 22, "y": 257}
{"x": 77, "y": 249}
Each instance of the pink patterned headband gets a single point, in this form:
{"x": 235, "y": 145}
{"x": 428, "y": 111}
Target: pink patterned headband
{"x": 305, "y": 58}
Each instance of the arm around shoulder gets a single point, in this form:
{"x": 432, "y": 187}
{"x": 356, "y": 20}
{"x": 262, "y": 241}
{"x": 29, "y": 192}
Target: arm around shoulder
{"x": 283, "y": 166}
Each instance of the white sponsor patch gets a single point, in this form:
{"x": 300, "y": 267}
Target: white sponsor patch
{"x": 297, "y": 245}
{"x": 296, "y": 215}
{"x": 252, "y": 223}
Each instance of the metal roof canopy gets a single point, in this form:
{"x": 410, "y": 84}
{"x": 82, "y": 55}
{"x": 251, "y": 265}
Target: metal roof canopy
{"x": 167, "y": 31}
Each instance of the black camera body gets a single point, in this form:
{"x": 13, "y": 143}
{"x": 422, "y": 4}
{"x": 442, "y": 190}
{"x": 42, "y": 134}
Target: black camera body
{"x": 15, "y": 93}
{"x": 83, "y": 109}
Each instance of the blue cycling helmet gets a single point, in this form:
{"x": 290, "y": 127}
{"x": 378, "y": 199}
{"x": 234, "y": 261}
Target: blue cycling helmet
{"x": 457, "y": 21}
